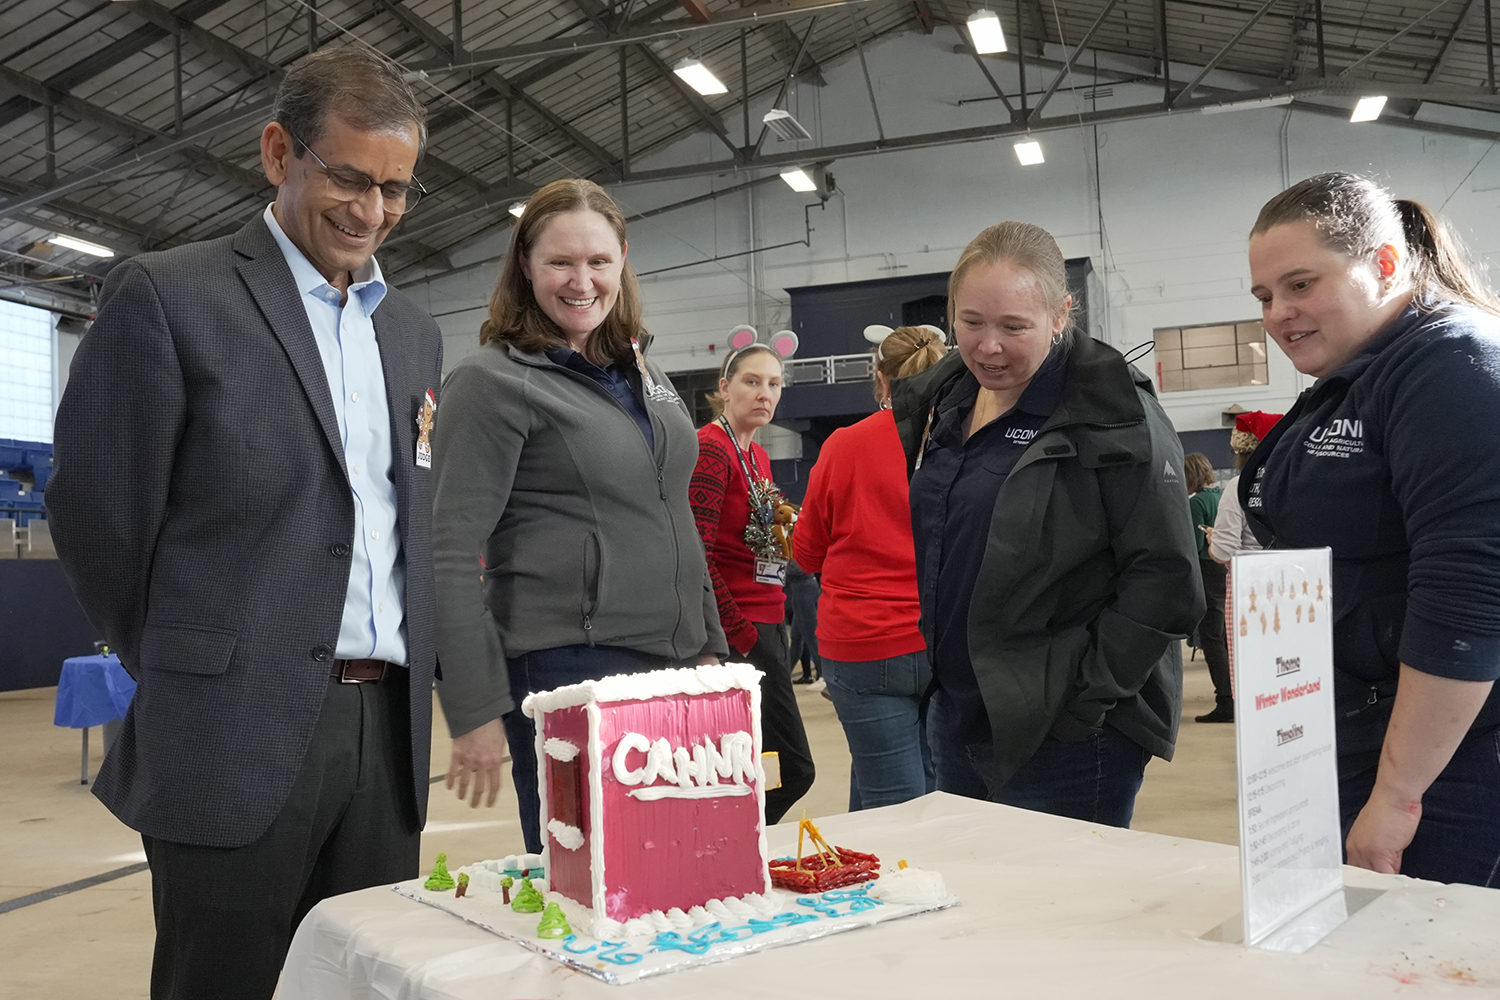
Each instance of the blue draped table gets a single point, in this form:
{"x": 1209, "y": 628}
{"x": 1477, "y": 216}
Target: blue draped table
{"x": 92, "y": 691}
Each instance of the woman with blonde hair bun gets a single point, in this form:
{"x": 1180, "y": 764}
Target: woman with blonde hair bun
{"x": 855, "y": 531}
{"x": 1055, "y": 556}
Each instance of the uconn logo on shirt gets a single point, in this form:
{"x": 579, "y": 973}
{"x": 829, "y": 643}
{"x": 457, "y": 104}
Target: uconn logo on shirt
{"x": 1020, "y": 435}
{"x": 1339, "y": 438}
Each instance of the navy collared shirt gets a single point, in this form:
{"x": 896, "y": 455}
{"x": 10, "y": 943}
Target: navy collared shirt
{"x": 615, "y": 381}
{"x": 952, "y": 503}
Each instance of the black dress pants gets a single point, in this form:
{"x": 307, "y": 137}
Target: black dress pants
{"x": 1211, "y": 631}
{"x": 225, "y": 916}
{"x": 780, "y": 720}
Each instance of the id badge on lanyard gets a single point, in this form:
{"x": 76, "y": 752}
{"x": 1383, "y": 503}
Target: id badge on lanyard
{"x": 771, "y": 572}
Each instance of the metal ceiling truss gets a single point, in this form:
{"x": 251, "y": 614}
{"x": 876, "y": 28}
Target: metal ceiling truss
{"x": 1335, "y": 62}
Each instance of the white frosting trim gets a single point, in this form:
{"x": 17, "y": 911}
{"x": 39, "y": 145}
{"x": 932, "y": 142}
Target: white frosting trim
{"x": 733, "y": 909}
{"x": 644, "y": 686}
{"x": 596, "y": 805}
{"x": 697, "y": 792}
{"x": 760, "y": 782}
{"x": 560, "y": 749}
{"x": 568, "y": 836}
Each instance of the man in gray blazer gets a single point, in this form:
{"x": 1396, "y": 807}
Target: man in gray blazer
{"x": 242, "y": 501}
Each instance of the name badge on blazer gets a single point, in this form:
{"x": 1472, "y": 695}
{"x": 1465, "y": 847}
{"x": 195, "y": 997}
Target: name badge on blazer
{"x": 424, "y": 428}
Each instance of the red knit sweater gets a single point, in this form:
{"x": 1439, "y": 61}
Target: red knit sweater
{"x": 720, "y": 498}
{"x": 855, "y": 529}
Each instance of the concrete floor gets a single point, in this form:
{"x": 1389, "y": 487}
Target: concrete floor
{"x": 96, "y": 942}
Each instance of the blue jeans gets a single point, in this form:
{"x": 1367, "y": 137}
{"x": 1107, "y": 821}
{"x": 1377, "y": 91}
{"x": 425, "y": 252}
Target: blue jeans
{"x": 880, "y": 705}
{"x": 544, "y": 670}
{"x": 1095, "y": 780}
{"x": 802, "y": 623}
{"x": 1458, "y": 839}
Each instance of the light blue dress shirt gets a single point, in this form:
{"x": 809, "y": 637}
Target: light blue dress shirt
{"x": 373, "y": 625}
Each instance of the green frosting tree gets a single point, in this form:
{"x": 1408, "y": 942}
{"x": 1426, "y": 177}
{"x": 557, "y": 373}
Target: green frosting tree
{"x": 554, "y": 924}
{"x": 527, "y": 900}
{"x": 463, "y": 884}
{"x": 439, "y": 879}
{"x": 505, "y": 884}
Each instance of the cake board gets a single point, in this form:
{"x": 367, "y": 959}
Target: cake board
{"x": 689, "y": 943}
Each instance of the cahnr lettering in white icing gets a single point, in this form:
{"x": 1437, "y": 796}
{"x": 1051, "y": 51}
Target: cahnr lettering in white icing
{"x": 686, "y": 772}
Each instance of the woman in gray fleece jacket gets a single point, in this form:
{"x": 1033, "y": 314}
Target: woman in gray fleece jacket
{"x": 564, "y": 546}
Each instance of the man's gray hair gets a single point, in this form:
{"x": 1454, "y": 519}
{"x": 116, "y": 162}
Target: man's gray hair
{"x": 363, "y": 90}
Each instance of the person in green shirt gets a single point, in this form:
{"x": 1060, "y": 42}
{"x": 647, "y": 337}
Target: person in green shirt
{"x": 1203, "y": 501}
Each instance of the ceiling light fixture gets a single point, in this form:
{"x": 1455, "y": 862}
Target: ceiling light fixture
{"x": 517, "y": 208}
{"x": 784, "y": 127}
{"x": 798, "y": 179}
{"x": 1259, "y": 102}
{"x": 1368, "y": 109}
{"x": 82, "y": 246}
{"x": 699, "y": 77}
{"x": 1029, "y": 153}
{"x": 985, "y": 30}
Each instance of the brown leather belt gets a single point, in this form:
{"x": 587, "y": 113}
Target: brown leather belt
{"x": 362, "y": 671}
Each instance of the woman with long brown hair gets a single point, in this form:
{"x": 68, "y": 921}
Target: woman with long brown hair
{"x": 564, "y": 546}
{"x": 1381, "y": 461}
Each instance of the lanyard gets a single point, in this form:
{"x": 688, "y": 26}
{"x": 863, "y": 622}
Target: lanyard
{"x": 763, "y": 511}
{"x": 640, "y": 363}
{"x": 926, "y": 433}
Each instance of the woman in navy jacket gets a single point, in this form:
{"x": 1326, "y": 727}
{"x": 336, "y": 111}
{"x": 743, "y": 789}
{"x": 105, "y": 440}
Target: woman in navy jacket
{"x": 1380, "y": 460}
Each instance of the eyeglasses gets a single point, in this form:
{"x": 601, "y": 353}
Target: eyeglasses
{"x": 347, "y": 185}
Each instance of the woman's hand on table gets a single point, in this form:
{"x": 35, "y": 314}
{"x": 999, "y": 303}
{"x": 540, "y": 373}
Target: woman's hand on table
{"x": 1385, "y": 826}
{"x": 708, "y": 661}
{"x": 476, "y": 756}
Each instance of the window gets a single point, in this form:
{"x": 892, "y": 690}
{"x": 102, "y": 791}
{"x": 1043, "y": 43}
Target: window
{"x": 694, "y": 388}
{"x": 1211, "y": 357}
{"x": 25, "y": 373}
{"x": 565, "y": 791}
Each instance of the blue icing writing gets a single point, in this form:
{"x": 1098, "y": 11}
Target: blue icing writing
{"x": 781, "y": 920}
{"x": 693, "y": 945}
{"x": 705, "y": 938}
{"x": 612, "y": 952}
{"x": 609, "y": 952}
{"x": 858, "y": 899}
{"x": 827, "y": 904}
{"x": 701, "y": 940}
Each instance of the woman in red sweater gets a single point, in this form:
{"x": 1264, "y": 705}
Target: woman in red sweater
{"x": 855, "y": 530}
{"x": 733, "y": 500}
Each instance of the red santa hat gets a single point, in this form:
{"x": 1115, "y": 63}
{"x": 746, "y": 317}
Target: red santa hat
{"x": 1250, "y": 429}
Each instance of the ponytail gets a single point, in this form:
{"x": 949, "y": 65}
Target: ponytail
{"x": 1356, "y": 217}
{"x": 1440, "y": 270}
{"x": 908, "y": 351}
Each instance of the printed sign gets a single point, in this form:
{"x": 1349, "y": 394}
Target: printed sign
{"x": 1290, "y": 839}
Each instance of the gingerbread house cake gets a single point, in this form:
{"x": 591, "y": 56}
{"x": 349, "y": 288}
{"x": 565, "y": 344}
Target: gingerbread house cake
{"x": 652, "y": 790}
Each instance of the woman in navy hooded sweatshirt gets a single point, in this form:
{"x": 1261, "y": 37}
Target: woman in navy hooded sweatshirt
{"x": 1382, "y": 461}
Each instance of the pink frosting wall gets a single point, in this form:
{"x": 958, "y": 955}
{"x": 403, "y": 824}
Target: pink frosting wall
{"x": 676, "y": 852}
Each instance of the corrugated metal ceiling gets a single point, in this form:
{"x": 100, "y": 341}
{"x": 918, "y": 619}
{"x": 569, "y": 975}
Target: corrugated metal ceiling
{"x": 84, "y": 81}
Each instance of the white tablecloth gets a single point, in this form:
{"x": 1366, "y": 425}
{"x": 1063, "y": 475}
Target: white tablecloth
{"x": 1051, "y": 908}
